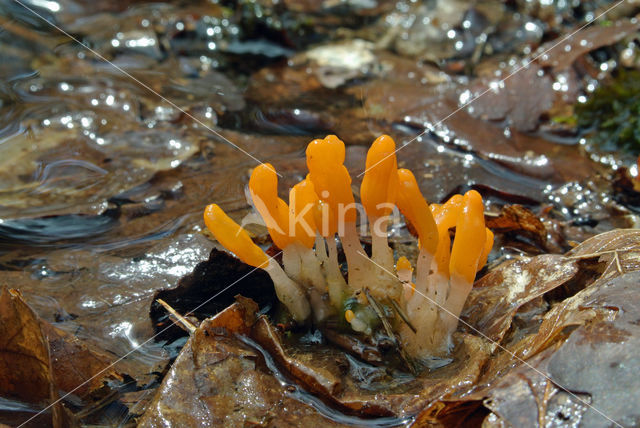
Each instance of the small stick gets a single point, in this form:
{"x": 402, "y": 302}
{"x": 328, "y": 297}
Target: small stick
{"x": 403, "y": 315}
{"x": 380, "y": 313}
{"x": 104, "y": 401}
{"x": 387, "y": 328}
{"x": 616, "y": 256}
{"x": 603, "y": 253}
{"x": 182, "y": 320}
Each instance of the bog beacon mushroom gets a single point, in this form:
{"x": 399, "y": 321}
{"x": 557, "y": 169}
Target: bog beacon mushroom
{"x": 322, "y": 212}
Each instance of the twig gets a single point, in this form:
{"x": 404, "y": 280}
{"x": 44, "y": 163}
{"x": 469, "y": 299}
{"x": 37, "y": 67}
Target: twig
{"x": 403, "y": 316}
{"x": 618, "y": 264}
{"x": 182, "y": 320}
{"x": 602, "y": 253}
{"x": 103, "y": 402}
{"x": 389, "y": 330}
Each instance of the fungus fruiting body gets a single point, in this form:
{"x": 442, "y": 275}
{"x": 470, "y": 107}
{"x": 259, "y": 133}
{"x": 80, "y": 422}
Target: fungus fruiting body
{"x": 322, "y": 212}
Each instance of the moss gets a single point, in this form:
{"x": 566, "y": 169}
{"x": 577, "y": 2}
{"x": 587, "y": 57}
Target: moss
{"x": 612, "y": 113}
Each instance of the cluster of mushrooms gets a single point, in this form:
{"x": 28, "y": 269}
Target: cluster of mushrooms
{"x": 322, "y": 213}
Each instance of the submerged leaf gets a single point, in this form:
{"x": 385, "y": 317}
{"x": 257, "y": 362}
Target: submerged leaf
{"x": 601, "y": 358}
{"x": 619, "y": 249}
{"x": 24, "y": 353}
{"x": 520, "y": 98}
{"x": 25, "y": 365}
{"x": 76, "y": 367}
{"x": 562, "y": 55}
{"x": 497, "y": 296}
{"x": 519, "y": 220}
{"x": 219, "y": 380}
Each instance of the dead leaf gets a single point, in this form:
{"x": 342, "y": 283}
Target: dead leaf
{"x": 24, "y": 354}
{"x": 25, "y": 366}
{"x": 520, "y": 98}
{"x": 527, "y": 397}
{"x": 459, "y": 413}
{"x": 75, "y": 366}
{"x": 564, "y": 54}
{"x": 497, "y": 296}
{"x": 520, "y": 220}
{"x": 619, "y": 249}
{"x": 583, "y": 377}
{"x": 601, "y": 358}
{"x": 219, "y": 380}
{"x": 318, "y": 380}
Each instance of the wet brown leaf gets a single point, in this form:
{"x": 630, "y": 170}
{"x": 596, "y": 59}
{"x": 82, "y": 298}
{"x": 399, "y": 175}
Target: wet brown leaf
{"x": 357, "y": 388}
{"x": 446, "y": 383}
{"x": 518, "y": 219}
{"x": 527, "y": 397}
{"x": 497, "y": 296}
{"x": 460, "y": 413}
{"x": 618, "y": 248}
{"x": 24, "y": 354}
{"x": 318, "y": 380}
{"x": 76, "y": 367}
{"x": 137, "y": 401}
{"x": 349, "y": 386}
{"x": 626, "y": 188}
{"x": 578, "y": 363}
{"x": 25, "y": 366}
{"x": 601, "y": 357}
{"x": 219, "y": 380}
{"x": 583, "y": 376}
{"x": 564, "y": 54}
{"x": 521, "y": 98}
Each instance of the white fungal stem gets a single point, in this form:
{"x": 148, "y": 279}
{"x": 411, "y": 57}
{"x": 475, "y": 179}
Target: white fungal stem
{"x": 336, "y": 285}
{"x": 310, "y": 269}
{"x": 459, "y": 289}
{"x": 441, "y": 283}
{"x": 321, "y": 249}
{"x": 289, "y": 292}
{"x": 380, "y": 251}
{"x": 423, "y": 277}
{"x": 291, "y": 262}
{"x": 356, "y": 258}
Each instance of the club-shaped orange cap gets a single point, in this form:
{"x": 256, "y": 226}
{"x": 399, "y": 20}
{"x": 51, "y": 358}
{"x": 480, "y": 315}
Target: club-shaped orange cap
{"x": 470, "y": 238}
{"x": 263, "y": 186}
{"x": 233, "y": 237}
{"x": 331, "y": 180}
{"x": 380, "y": 183}
{"x": 488, "y": 245}
{"x": 324, "y": 219}
{"x": 446, "y": 216}
{"x": 414, "y": 207}
{"x": 302, "y": 204}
